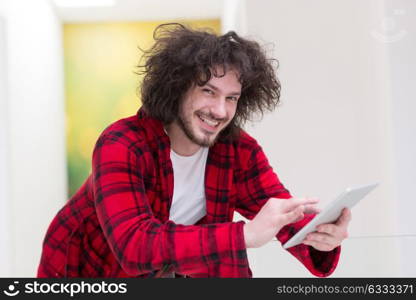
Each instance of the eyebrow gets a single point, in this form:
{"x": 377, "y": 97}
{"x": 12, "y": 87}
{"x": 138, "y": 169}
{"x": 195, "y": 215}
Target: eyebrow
{"x": 217, "y": 89}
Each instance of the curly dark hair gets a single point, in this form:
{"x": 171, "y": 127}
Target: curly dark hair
{"x": 182, "y": 57}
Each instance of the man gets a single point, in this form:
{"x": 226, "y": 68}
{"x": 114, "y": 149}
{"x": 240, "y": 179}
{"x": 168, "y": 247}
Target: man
{"x": 165, "y": 183}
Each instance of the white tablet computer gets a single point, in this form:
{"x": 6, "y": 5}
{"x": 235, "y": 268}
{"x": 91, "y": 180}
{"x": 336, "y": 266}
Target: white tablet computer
{"x": 348, "y": 198}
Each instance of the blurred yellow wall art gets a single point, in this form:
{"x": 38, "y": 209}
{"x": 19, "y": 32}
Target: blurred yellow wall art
{"x": 100, "y": 83}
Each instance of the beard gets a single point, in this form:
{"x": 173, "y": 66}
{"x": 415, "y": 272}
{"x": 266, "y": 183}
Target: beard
{"x": 186, "y": 125}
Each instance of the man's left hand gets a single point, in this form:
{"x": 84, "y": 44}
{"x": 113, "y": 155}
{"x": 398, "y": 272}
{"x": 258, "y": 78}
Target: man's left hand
{"x": 329, "y": 236}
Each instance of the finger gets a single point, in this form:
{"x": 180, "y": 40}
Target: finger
{"x": 340, "y": 233}
{"x": 292, "y": 203}
{"x": 293, "y": 215}
{"x": 307, "y": 209}
{"x": 300, "y": 217}
{"x": 330, "y": 229}
{"x": 322, "y": 238}
{"x": 345, "y": 218}
{"x": 312, "y": 209}
{"x": 319, "y": 246}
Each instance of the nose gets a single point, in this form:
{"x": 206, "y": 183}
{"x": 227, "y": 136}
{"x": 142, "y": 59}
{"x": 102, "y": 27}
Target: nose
{"x": 218, "y": 108}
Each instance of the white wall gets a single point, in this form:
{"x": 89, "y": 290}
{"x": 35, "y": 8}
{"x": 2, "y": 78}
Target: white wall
{"x": 399, "y": 36}
{"x": 4, "y": 151}
{"x": 234, "y": 16}
{"x": 35, "y": 116}
{"x": 340, "y": 124}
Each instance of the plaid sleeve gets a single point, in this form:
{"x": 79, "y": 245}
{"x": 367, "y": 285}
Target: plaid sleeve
{"x": 140, "y": 242}
{"x": 319, "y": 263}
{"x": 257, "y": 182}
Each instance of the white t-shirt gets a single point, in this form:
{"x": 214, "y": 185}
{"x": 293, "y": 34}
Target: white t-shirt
{"x": 189, "y": 203}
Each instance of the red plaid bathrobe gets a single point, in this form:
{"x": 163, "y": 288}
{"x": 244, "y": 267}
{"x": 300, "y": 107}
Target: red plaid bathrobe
{"x": 117, "y": 224}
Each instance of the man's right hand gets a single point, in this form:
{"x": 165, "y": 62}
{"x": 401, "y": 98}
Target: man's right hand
{"x": 273, "y": 216}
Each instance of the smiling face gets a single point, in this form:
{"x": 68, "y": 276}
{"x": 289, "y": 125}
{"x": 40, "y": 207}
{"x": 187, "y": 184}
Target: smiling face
{"x": 207, "y": 110}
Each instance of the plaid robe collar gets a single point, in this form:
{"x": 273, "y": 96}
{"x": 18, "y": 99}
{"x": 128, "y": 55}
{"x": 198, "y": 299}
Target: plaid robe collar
{"x": 218, "y": 172}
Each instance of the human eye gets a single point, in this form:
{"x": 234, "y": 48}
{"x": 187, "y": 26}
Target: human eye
{"x": 233, "y": 98}
{"x": 208, "y": 91}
